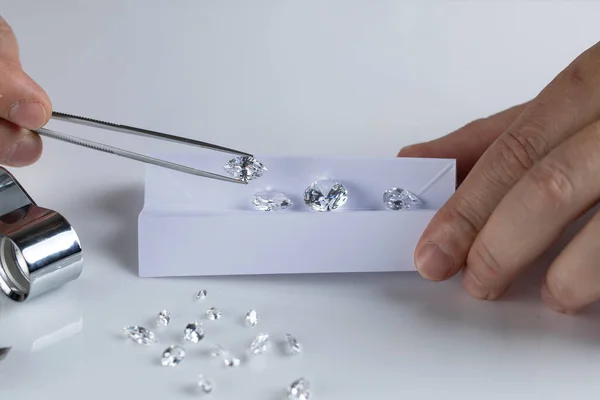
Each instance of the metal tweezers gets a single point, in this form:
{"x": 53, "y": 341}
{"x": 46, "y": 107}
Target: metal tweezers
{"x": 136, "y": 156}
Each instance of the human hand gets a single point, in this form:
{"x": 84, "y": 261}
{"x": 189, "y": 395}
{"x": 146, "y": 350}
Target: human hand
{"x": 526, "y": 174}
{"x": 23, "y": 106}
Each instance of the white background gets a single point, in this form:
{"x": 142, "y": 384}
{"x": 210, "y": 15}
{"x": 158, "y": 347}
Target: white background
{"x": 338, "y": 77}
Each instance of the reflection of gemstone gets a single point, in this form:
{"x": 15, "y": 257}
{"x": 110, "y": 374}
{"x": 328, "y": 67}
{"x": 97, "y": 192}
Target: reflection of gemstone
{"x": 193, "y": 332}
{"x": 251, "y": 318}
{"x": 172, "y": 356}
{"x": 205, "y": 385}
{"x": 245, "y": 168}
{"x": 270, "y": 201}
{"x": 140, "y": 335}
{"x": 299, "y": 390}
{"x": 201, "y": 294}
{"x": 293, "y": 345}
{"x": 213, "y": 313}
{"x": 163, "y": 318}
{"x": 400, "y": 199}
{"x": 325, "y": 195}
{"x": 259, "y": 345}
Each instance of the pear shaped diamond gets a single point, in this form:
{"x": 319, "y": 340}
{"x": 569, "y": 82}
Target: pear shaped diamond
{"x": 400, "y": 199}
{"x": 292, "y": 344}
{"x": 140, "y": 335}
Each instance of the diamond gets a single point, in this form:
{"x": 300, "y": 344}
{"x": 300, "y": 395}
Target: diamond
{"x": 270, "y": 201}
{"x": 299, "y": 390}
{"x": 231, "y": 361}
{"x": 172, "y": 356}
{"x": 213, "y": 313}
{"x": 400, "y": 199}
{"x": 140, "y": 335}
{"x": 193, "y": 332}
{"x": 217, "y": 351}
{"x": 163, "y": 318}
{"x": 292, "y": 344}
{"x": 205, "y": 384}
{"x": 325, "y": 195}
{"x": 251, "y": 318}
{"x": 201, "y": 294}
{"x": 259, "y": 344}
{"x": 245, "y": 168}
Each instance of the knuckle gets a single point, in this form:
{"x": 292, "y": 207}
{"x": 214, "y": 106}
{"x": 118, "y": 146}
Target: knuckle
{"x": 469, "y": 212}
{"x": 553, "y": 184}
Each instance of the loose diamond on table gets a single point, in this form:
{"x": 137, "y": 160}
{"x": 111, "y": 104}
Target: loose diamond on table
{"x": 228, "y": 359}
{"x": 217, "y": 351}
{"x": 259, "y": 344}
{"x": 299, "y": 390}
{"x": 270, "y": 201}
{"x": 201, "y": 294}
{"x": 205, "y": 384}
{"x": 140, "y": 335}
{"x": 251, "y": 318}
{"x": 245, "y": 168}
{"x": 292, "y": 344}
{"x": 213, "y": 313}
{"x": 231, "y": 361}
{"x": 400, "y": 199}
{"x": 325, "y": 195}
{"x": 163, "y": 318}
{"x": 172, "y": 356}
{"x": 193, "y": 333}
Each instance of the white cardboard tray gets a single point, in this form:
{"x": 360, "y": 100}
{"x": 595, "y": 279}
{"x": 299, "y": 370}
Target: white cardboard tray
{"x": 192, "y": 226}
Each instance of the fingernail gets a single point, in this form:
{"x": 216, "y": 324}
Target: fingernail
{"x": 549, "y": 300}
{"x": 474, "y": 286}
{"x": 27, "y": 114}
{"x": 26, "y": 151}
{"x": 432, "y": 263}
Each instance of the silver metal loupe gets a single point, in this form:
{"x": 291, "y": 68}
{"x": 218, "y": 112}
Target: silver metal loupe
{"x": 39, "y": 249}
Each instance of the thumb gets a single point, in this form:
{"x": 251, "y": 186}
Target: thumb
{"x": 466, "y": 144}
{"x": 22, "y": 101}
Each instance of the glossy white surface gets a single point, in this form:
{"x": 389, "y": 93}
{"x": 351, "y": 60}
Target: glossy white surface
{"x": 342, "y": 77}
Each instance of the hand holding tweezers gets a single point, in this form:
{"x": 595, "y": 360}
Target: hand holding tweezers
{"x": 136, "y": 156}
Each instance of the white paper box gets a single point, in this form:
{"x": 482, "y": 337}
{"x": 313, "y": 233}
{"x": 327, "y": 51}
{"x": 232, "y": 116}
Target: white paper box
{"x": 193, "y": 226}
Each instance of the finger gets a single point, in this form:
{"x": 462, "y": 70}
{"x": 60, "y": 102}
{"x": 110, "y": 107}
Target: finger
{"x": 18, "y": 146}
{"x": 22, "y": 101}
{"x": 567, "y": 105}
{"x": 573, "y": 280}
{"x": 466, "y": 144}
{"x": 534, "y": 213}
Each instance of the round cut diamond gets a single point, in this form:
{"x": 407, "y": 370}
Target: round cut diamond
{"x": 201, "y": 294}
{"x": 163, "y": 318}
{"x": 245, "y": 168}
{"x": 400, "y": 199}
{"x": 325, "y": 195}
{"x": 213, "y": 313}
{"x": 270, "y": 201}
{"x": 299, "y": 390}
{"x": 172, "y": 356}
{"x": 193, "y": 332}
{"x": 205, "y": 384}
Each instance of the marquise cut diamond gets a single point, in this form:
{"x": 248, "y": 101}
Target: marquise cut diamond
{"x": 140, "y": 335}
{"x": 245, "y": 168}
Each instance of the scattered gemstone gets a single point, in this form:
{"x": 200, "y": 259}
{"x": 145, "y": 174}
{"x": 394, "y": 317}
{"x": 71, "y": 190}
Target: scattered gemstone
{"x": 245, "y": 168}
{"x": 172, "y": 356}
{"x": 164, "y": 317}
{"x": 299, "y": 390}
{"x": 213, "y": 313}
{"x": 400, "y": 199}
{"x": 201, "y": 294}
{"x": 325, "y": 195}
{"x": 251, "y": 318}
{"x": 140, "y": 335}
{"x": 217, "y": 351}
{"x": 231, "y": 361}
{"x": 292, "y": 344}
{"x": 205, "y": 384}
{"x": 193, "y": 333}
{"x": 270, "y": 201}
{"x": 259, "y": 344}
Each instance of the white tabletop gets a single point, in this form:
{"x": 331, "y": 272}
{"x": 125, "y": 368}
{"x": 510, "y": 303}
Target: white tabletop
{"x": 341, "y": 77}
